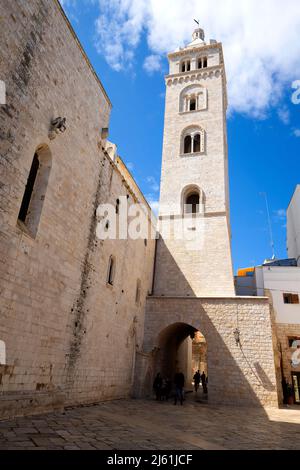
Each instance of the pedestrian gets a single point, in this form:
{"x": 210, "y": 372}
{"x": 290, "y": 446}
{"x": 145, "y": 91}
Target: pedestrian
{"x": 179, "y": 386}
{"x": 204, "y": 382}
{"x": 197, "y": 378}
{"x": 157, "y": 386}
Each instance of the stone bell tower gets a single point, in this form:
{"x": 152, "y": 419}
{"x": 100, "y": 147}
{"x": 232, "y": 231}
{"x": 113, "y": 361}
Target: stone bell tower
{"x": 193, "y": 253}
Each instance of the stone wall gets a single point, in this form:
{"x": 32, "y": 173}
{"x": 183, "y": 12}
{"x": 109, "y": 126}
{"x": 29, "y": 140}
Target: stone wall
{"x": 237, "y": 375}
{"x": 67, "y": 333}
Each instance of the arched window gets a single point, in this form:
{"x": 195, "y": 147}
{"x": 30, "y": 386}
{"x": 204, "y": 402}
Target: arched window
{"x": 193, "y": 141}
{"x": 193, "y": 104}
{"x": 117, "y": 206}
{"x": 188, "y": 65}
{"x": 204, "y": 62}
{"x": 183, "y": 67}
{"x": 35, "y": 191}
{"x": 111, "y": 270}
{"x": 188, "y": 144}
{"x": 193, "y": 200}
{"x": 138, "y": 292}
{"x": 197, "y": 139}
{"x": 192, "y": 203}
{"x": 199, "y": 63}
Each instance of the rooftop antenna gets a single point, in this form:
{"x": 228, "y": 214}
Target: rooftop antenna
{"x": 270, "y": 225}
{"x": 197, "y": 21}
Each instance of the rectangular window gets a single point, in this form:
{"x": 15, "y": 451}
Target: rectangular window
{"x": 291, "y": 298}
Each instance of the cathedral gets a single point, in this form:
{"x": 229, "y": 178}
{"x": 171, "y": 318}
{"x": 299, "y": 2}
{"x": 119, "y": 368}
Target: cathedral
{"x": 87, "y": 318}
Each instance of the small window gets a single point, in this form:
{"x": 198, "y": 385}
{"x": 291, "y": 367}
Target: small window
{"x": 138, "y": 292}
{"x": 193, "y": 104}
{"x": 188, "y": 66}
{"x": 183, "y": 67}
{"x": 205, "y": 62}
{"x": 294, "y": 343}
{"x": 291, "y": 298}
{"x": 188, "y": 144}
{"x": 111, "y": 271}
{"x": 117, "y": 206}
{"x": 197, "y": 143}
{"x": 192, "y": 204}
{"x": 35, "y": 191}
{"x": 199, "y": 63}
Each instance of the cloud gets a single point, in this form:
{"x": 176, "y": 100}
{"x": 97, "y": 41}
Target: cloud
{"x": 153, "y": 203}
{"x": 284, "y": 115}
{"x": 130, "y": 166}
{"x": 297, "y": 132}
{"x": 279, "y": 215}
{"x": 154, "y": 186}
{"x": 254, "y": 34}
{"x": 152, "y": 63}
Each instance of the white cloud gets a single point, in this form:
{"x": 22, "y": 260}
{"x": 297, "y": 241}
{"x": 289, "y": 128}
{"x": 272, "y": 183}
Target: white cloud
{"x": 130, "y": 166}
{"x": 284, "y": 115}
{"x": 153, "y": 184}
{"x": 260, "y": 39}
{"x": 297, "y": 132}
{"x": 279, "y": 214}
{"x": 152, "y": 63}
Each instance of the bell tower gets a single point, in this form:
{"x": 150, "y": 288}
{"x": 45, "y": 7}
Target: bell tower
{"x": 193, "y": 257}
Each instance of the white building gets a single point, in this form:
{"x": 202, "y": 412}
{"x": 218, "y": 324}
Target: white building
{"x": 293, "y": 226}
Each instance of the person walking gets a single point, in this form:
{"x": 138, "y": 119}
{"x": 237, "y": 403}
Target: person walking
{"x": 197, "y": 378}
{"x": 179, "y": 386}
{"x": 204, "y": 382}
{"x": 157, "y": 386}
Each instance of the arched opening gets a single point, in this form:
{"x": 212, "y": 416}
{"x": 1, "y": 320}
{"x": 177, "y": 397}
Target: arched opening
{"x": 199, "y": 64}
{"x": 188, "y": 144}
{"x": 188, "y": 65}
{"x": 35, "y": 191}
{"x": 192, "y": 204}
{"x": 205, "y": 62}
{"x": 183, "y": 67}
{"x": 182, "y": 348}
{"x": 193, "y": 104}
{"x": 197, "y": 141}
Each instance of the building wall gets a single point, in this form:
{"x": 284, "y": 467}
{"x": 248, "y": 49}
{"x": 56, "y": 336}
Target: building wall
{"x": 284, "y": 332}
{"x": 237, "y": 375}
{"x": 60, "y": 322}
{"x": 278, "y": 281}
{"x": 293, "y": 226}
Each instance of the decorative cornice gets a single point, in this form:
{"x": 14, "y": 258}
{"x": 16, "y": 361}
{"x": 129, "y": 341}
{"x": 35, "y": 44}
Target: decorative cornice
{"x": 194, "y": 50}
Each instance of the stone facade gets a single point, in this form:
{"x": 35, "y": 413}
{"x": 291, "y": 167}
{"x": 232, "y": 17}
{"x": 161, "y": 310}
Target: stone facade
{"x": 285, "y": 332}
{"x": 69, "y": 336}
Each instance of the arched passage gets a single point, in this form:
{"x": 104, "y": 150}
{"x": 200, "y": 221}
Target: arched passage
{"x": 181, "y": 348}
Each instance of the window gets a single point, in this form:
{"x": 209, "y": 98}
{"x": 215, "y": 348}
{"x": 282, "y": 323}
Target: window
{"x": 185, "y": 66}
{"x": 138, "y": 292}
{"x": 188, "y": 144}
{"x": 193, "y": 104}
{"x": 291, "y": 298}
{"x": 188, "y": 66}
{"x": 197, "y": 143}
{"x": 193, "y": 141}
{"x": 199, "y": 64}
{"x": 35, "y": 191}
{"x": 117, "y": 206}
{"x": 192, "y": 204}
{"x": 294, "y": 342}
{"x": 205, "y": 62}
{"x": 111, "y": 270}
{"x": 202, "y": 63}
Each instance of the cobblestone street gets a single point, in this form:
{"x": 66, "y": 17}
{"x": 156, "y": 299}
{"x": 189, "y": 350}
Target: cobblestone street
{"x": 137, "y": 424}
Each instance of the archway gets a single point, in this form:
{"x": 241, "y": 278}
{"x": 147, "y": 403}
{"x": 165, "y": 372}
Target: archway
{"x": 181, "y": 348}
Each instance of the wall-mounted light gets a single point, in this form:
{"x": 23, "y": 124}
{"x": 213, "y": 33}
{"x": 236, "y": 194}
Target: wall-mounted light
{"x": 237, "y": 336}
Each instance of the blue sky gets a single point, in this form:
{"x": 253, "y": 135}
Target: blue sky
{"x": 123, "y": 38}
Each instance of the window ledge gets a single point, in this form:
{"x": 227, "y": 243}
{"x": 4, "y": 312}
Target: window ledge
{"x": 195, "y": 154}
{"x": 193, "y": 111}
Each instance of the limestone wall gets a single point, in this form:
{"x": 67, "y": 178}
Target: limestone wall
{"x": 65, "y": 331}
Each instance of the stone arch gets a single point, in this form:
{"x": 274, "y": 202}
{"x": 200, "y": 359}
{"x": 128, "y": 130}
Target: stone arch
{"x": 195, "y": 92}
